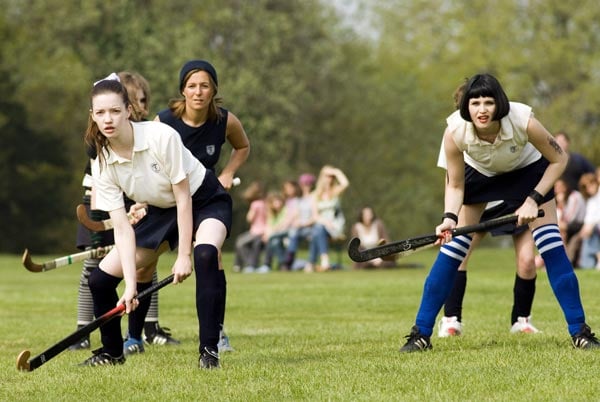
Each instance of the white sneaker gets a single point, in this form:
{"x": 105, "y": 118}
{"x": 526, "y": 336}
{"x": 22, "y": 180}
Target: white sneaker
{"x": 523, "y": 325}
{"x": 248, "y": 270}
{"x": 449, "y": 326}
{"x": 263, "y": 269}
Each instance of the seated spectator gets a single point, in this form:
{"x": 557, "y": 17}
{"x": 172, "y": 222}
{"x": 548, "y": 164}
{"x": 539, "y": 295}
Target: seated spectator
{"x": 372, "y": 233}
{"x": 276, "y": 231}
{"x": 589, "y": 256}
{"x": 249, "y": 244}
{"x": 570, "y": 207}
{"x": 303, "y": 219}
{"x": 332, "y": 182}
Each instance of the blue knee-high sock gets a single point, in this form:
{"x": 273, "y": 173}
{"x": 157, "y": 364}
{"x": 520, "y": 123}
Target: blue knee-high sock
{"x": 210, "y": 294}
{"x": 440, "y": 281}
{"x": 560, "y": 274}
{"x": 104, "y": 292}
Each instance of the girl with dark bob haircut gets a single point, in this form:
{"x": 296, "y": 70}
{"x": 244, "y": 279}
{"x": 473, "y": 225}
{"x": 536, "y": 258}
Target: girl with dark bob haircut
{"x": 487, "y": 86}
{"x": 496, "y": 152}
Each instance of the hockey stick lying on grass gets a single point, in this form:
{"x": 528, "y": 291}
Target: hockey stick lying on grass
{"x": 29, "y": 365}
{"x": 405, "y": 247}
{"x": 106, "y": 224}
{"x": 61, "y": 261}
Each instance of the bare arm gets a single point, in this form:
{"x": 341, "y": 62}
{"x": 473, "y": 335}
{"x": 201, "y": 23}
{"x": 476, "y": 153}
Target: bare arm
{"x": 547, "y": 145}
{"x": 241, "y": 149}
{"x": 183, "y": 264}
{"x": 125, "y": 243}
{"x": 455, "y": 181}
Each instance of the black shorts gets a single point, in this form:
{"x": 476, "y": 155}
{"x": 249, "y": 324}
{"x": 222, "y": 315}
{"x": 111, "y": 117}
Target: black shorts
{"x": 211, "y": 200}
{"x": 511, "y": 187}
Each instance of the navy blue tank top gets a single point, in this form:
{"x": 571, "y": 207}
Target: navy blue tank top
{"x": 204, "y": 142}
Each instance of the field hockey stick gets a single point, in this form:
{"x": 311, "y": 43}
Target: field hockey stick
{"x": 106, "y": 224}
{"x": 62, "y": 261}
{"x": 405, "y": 247}
{"x": 29, "y": 365}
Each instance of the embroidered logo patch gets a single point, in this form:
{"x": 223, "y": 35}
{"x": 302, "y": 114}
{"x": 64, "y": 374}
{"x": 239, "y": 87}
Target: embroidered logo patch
{"x": 155, "y": 167}
{"x": 210, "y": 149}
{"x": 513, "y": 149}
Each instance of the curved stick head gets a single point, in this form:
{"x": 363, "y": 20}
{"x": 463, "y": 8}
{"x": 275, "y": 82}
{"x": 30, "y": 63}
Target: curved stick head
{"x": 354, "y": 250}
{"x": 85, "y": 220}
{"x": 22, "y": 361}
{"x": 29, "y": 264}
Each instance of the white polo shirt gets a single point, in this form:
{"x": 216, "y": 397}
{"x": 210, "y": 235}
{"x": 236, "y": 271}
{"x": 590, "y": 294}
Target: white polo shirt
{"x": 158, "y": 161}
{"x": 511, "y": 150}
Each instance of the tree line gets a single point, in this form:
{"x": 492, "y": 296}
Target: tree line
{"x": 310, "y": 88}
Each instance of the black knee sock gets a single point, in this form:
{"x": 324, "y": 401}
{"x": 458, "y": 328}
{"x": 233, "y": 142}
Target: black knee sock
{"x": 104, "y": 292}
{"x": 523, "y": 293}
{"x": 223, "y": 288}
{"x": 210, "y": 294}
{"x": 137, "y": 317}
{"x": 454, "y": 301}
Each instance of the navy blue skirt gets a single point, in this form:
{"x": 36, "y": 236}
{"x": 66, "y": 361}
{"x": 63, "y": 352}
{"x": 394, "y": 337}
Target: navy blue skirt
{"x": 511, "y": 187}
{"x": 211, "y": 200}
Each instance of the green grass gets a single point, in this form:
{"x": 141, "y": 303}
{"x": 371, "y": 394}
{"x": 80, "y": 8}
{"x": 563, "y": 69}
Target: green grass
{"x": 330, "y": 336}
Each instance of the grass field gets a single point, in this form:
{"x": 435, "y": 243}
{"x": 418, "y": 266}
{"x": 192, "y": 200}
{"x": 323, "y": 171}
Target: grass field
{"x": 313, "y": 337}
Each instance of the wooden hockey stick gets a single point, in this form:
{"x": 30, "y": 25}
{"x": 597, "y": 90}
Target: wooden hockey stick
{"x": 408, "y": 246}
{"x": 62, "y": 261}
{"x": 23, "y": 364}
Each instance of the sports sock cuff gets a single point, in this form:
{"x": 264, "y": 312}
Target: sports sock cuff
{"x": 547, "y": 237}
{"x": 457, "y": 248}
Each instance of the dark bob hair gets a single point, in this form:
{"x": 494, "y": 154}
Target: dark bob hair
{"x": 485, "y": 85}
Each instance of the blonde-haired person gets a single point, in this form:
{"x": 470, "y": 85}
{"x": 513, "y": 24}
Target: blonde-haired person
{"x": 276, "y": 230}
{"x": 331, "y": 183}
{"x": 249, "y": 244}
{"x": 589, "y": 255}
{"x": 204, "y": 125}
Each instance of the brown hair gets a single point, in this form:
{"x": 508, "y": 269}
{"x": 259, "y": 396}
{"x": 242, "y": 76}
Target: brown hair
{"x": 133, "y": 81}
{"x": 93, "y": 137}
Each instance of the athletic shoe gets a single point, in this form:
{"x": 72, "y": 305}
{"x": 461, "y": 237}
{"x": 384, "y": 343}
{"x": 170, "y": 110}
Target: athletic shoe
{"x": 83, "y": 343}
{"x": 223, "y": 344}
{"x": 415, "y": 341}
{"x": 132, "y": 346}
{"x": 523, "y": 325}
{"x": 585, "y": 338}
{"x": 209, "y": 359}
{"x": 449, "y": 326}
{"x": 263, "y": 269}
{"x": 157, "y": 335}
{"x": 248, "y": 270}
{"x": 100, "y": 358}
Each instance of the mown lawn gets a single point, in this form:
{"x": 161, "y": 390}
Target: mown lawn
{"x": 313, "y": 337}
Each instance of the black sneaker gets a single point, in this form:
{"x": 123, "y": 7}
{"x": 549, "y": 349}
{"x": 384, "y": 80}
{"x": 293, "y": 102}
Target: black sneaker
{"x": 157, "y": 335}
{"x": 209, "y": 359}
{"x": 100, "y": 358}
{"x": 415, "y": 341}
{"x": 585, "y": 338}
{"x": 83, "y": 343}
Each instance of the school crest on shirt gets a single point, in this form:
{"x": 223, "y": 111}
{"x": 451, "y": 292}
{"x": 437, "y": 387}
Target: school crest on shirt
{"x": 210, "y": 149}
{"x": 155, "y": 167}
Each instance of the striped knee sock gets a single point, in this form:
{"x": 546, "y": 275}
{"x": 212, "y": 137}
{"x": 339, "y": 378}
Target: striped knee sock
{"x": 440, "y": 281}
{"x": 560, "y": 274}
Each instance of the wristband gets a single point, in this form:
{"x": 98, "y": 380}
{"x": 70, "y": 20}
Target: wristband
{"x": 537, "y": 197}
{"x": 450, "y": 215}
